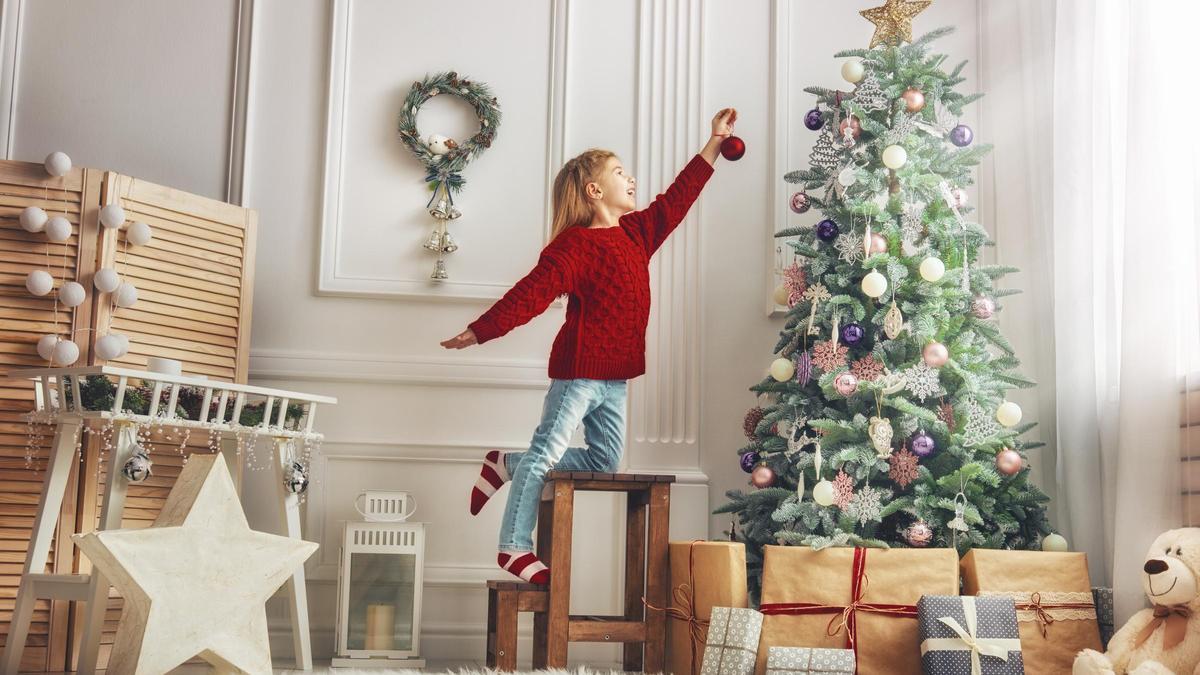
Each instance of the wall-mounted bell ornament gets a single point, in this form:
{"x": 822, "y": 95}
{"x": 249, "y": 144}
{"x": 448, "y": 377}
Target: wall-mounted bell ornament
{"x": 434, "y": 242}
{"x": 439, "y": 271}
{"x": 444, "y": 211}
{"x": 448, "y": 244}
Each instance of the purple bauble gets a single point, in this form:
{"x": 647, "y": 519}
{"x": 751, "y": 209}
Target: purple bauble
{"x": 813, "y": 119}
{"x": 749, "y": 459}
{"x": 800, "y": 203}
{"x": 962, "y": 135}
{"x": 827, "y": 230}
{"x": 922, "y": 444}
{"x": 852, "y": 334}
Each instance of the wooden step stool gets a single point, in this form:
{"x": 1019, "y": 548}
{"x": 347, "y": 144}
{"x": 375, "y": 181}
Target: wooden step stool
{"x": 648, "y": 510}
{"x": 505, "y": 600}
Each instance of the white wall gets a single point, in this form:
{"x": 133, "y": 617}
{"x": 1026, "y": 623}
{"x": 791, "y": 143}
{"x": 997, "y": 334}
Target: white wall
{"x": 149, "y": 89}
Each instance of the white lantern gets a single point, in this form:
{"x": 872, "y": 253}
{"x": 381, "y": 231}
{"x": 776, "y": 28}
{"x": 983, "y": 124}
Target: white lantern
{"x": 380, "y": 578}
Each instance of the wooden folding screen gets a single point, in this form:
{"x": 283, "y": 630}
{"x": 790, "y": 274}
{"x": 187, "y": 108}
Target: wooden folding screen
{"x": 194, "y": 282}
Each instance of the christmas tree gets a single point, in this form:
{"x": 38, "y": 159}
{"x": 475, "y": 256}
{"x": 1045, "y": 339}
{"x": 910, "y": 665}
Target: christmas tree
{"x": 884, "y": 420}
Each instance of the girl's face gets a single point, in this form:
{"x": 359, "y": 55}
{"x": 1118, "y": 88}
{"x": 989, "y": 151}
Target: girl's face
{"x": 613, "y": 187}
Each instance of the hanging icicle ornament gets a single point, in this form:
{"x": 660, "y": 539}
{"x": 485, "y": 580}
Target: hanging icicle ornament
{"x": 823, "y": 491}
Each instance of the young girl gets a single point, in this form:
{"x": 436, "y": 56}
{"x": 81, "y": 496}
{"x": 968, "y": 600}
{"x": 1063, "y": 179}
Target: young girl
{"x": 599, "y": 255}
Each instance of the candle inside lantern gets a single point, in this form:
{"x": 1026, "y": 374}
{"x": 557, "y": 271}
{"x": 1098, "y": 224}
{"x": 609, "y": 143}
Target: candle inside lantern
{"x": 381, "y": 624}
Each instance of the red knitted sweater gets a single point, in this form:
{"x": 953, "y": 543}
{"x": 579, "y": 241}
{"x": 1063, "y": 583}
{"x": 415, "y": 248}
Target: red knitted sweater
{"x": 605, "y": 272}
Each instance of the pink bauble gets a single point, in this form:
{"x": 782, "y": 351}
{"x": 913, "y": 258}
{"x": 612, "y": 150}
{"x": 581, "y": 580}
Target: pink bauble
{"x": 982, "y": 307}
{"x": 935, "y": 355}
{"x": 845, "y": 383}
{"x": 852, "y": 124}
{"x": 800, "y": 203}
{"x": 919, "y": 534}
{"x": 914, "y": 100}
{"x": 763, "y": 476}
{"x": 878, "y": 243}
{"x": 1008, "y": 461}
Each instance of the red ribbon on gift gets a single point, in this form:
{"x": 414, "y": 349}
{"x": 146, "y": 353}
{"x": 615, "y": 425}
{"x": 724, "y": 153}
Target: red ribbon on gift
{"x": 845, "y": 616}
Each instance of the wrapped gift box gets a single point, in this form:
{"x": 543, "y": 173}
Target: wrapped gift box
{"x": 704, "y": 574}
{"x": 732, "y": 641}
{"x": 863, "y": 599}
{"x": 966, "y": 634}
{"x": 1103, "y": 597}
{"x": 1055, "y": 612}
{"x": 809, "y": 661}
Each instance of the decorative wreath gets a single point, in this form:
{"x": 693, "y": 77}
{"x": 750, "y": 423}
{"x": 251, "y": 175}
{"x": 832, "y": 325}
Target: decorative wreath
{"x": 444, "y": 158}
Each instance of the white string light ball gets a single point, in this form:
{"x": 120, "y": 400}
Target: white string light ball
{"x": 45, "y": 346}
{"x": 33, "y": 219}
{"x": 39, "y": 282}
{"x": 71, "y": 294}
{"x": 112, "y": 216}
{"x": 66, "y": 352}
{"x": 58, "y": 229}
{"x": 127, "y": 295}
{"x": 112, "y": 346}
{"x": 58, "y": 164}
{"x": 138, "y": 234}
{"x": 106, "y": 280}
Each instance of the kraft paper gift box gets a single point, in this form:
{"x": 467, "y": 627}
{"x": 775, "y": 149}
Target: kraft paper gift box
{"x": 732, "y": 641}
{"x": 862, "y": 599}
{"x": 809, "y": 661}
{"x": 1056, "y": 615}
{"x": 963, "y": 634}
{"x": 704, "y": 574}
{"x": 1103, "y": 597}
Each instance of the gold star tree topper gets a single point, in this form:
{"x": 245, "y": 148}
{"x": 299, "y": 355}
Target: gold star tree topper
{"x": 893, "y": 20}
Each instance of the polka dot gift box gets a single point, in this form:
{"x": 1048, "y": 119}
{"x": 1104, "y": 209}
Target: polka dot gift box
{"x": 809, "y": 661}
{"x": 966, "y": 634}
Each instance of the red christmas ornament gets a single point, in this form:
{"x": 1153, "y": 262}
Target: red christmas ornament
{"x": 733, "y": 148}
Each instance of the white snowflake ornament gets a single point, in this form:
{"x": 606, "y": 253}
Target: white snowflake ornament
{"x": 849, "y": 247}
{"x": 922, "y": 380}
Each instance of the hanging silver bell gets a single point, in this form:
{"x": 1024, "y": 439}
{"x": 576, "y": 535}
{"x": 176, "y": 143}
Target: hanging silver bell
{"x": 295, "y": 478}
{"x": 448, "y": 244}
{"x": 444, "y": 211}
{"x": 434, "y": 242}
{"x": 138, "y": 467}
{"x": 439, "y": 271}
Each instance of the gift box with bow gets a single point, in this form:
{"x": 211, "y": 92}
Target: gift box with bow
{"x": 965, "y": 634}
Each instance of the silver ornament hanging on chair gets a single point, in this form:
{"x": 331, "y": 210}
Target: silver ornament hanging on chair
{"x": 138, "y": 467}
{"x": 295, "y": 478}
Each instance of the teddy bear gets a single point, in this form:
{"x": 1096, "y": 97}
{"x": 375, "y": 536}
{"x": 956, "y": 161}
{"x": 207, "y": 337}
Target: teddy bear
{"x": 1164, "y": 638}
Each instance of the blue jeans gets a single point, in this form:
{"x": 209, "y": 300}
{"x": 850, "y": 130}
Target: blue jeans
{"x": 600, "y": 405}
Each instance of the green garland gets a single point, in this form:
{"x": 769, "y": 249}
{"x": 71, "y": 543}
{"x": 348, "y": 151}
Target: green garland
{"x": 99, "y": 392}
{"x": 443, "y": 172}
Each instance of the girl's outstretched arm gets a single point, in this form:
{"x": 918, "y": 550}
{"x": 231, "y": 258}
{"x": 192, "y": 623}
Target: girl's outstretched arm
{"x": 553, "y": 275}
{"x": 652, "y": 225}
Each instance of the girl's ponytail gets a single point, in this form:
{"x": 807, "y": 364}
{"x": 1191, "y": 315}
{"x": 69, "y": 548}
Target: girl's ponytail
{"x": 569, "y": 199}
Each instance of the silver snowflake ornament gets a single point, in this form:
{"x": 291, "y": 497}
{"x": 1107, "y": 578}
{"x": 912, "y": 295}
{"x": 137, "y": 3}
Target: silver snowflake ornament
{"x": 849, "y": 247}
{"x": 922, "y": 380}
{"x": 866, "y": 505}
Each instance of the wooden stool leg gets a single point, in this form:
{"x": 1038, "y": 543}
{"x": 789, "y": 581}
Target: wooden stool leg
{"x": 506, "y": 631}
{"x": 491, "y": 629}
{"x": 635, "y": 570}
{"x": 560, "y": 574}
{"x": 541, "y": 620}
{"x": 656, "y": 576}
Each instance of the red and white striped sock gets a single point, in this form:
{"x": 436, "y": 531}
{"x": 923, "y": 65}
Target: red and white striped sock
{"x": 491, "y": 477}
{"x": 525, "y": 565}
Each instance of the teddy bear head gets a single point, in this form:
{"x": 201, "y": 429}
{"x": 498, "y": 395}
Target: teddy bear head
{"x": 1171, "y": 573}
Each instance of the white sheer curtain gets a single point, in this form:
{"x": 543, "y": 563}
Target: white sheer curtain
{"x": 1125, "y": 274}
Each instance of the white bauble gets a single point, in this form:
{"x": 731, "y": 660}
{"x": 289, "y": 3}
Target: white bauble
{"x": 782, "y": 369}
{"x": 1008, "y": 414}
{"x": 853, "y": 71}
{"x": 112, "y": 215}
{"x": 932, "y": 269}
{"x": 127, "y": 295}
{"x": 846, "y": 177}
{"x": 71, "y": 294}
{"x": 39, "y": 282}
{"x": 106, "y": 280}
{"x": 108, "y": 347}
{"x": 823, "y": 493}
{"x": 45, "y": 346}
{"x": 33, "y": 219}
{"x": 58, "y": 164}
{"x": 874, "y": 284}
{"x": 58, "y": 229}
{"x": 894, "y": 156}
{"x": 138, "y": 234}
{"x": 66, "y": 352}
{"x": 1054, "y": 542}
{"x": 780, "y": 296}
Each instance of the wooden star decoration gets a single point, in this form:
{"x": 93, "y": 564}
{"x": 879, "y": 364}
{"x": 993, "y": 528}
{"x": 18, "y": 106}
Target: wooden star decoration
{"x": 893, "y": 20}
{"x": 195, "y": 584}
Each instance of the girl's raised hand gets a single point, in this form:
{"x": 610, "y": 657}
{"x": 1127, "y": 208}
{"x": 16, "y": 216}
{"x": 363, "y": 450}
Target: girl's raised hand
{"x": 722, "y": 124}
{"x": 463, "y": 339}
